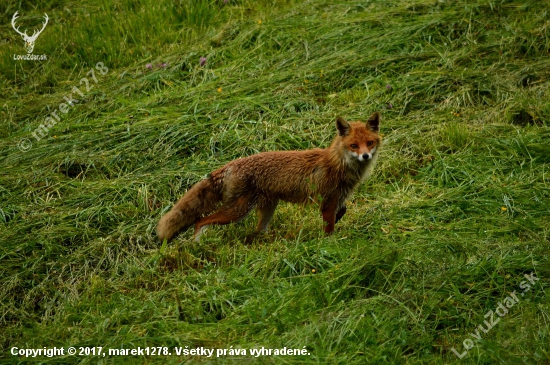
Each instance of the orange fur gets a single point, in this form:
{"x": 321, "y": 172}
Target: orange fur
{"x": 326, "y": 176}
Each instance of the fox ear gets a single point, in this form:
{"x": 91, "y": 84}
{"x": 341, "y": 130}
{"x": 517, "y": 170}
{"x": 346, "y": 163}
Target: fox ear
{"x": 374, "y": 122}
{"x": 342, "y": 126}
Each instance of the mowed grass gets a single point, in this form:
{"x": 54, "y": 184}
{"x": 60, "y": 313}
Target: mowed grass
{"x": 456, "y": 212}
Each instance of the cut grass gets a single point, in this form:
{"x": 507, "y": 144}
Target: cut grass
{"x": 454, "y": 215}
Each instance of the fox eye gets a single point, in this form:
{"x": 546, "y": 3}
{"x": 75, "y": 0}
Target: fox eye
{"x": 370, "y": 143}
{"x": 354, "y": 146}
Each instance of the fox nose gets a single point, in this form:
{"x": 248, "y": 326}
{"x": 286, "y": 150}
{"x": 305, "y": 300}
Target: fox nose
{"x": 366, "y": 156}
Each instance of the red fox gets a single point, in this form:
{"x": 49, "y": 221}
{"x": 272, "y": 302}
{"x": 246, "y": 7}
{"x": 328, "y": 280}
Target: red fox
{"x": 326, "y": 176}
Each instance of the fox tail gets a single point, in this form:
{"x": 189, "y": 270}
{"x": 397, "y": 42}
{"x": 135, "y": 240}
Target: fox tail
{"x": 201, "y": 199}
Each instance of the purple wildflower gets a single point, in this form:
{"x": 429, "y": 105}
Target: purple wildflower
{"x": 149, "y": 66}
{"x": 164, "y": 65}
{"x": 202, "y": 61}
{"x": 388, "y": 87}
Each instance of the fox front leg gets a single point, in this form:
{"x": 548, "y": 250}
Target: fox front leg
{"x": 340, "y": 213}
{"x": 329, "y": 214}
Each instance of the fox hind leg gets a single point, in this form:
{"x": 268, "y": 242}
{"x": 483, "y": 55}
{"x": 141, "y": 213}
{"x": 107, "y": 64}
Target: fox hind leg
{"x": 232, "y": 211}
{"x": 266, "y": 210}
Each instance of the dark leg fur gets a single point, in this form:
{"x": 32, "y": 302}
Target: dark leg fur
{"x": 340, "y": 213}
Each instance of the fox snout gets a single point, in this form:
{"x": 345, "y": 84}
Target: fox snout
{"x": 366, "y": 156}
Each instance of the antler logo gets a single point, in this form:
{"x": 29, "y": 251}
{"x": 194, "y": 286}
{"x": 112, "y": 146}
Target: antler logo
{"x": 29, "y": 41}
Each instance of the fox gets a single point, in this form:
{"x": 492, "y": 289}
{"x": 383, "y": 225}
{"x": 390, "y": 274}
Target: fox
{"x": 327, "y": 177}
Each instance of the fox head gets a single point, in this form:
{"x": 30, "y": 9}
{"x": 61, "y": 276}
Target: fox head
{"x": 359, "y": 140}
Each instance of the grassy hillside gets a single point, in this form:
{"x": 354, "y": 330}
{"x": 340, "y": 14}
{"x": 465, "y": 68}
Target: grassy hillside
{"x": 456, "y": 212}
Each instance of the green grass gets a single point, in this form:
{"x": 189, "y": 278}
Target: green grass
{"x": 454, "y": 215}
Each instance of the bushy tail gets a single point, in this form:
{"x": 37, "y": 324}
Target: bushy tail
{"x": 201, "y": 199}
